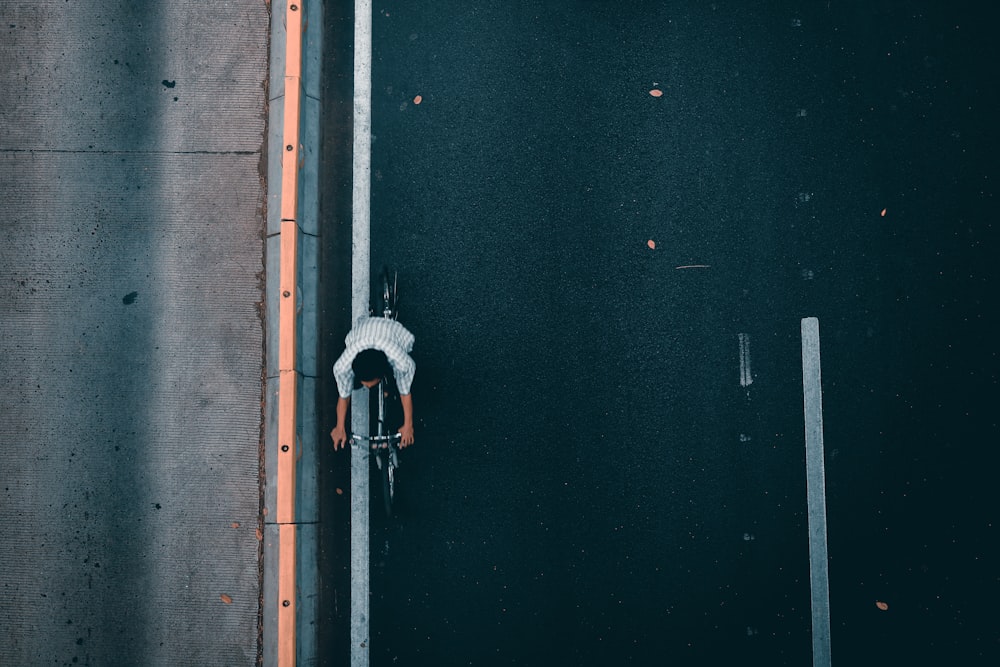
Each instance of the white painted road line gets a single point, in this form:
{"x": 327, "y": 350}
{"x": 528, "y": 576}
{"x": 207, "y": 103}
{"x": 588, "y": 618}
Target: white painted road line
{"x": 812, "y": 394}
{"x": 746, "y": 376}
{"x": 360, "y": 282}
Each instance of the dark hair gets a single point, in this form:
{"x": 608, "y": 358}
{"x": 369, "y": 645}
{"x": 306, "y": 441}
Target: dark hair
{"x": 370, "y": 364}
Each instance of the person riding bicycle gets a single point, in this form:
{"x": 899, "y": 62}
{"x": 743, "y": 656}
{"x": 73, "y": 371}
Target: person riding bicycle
{"x": 375, "y": 347}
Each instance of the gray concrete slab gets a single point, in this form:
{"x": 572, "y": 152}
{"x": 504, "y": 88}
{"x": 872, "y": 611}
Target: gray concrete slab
{"x": 307, "y": 603}
{"x": 309, "y": 163}
{"x": 130, "y": 334}
{"x": 306, "y": 509}
{"x": 312, "y": 51}
{"x": 127, "y": 76}
{"x": 306, "y": 304}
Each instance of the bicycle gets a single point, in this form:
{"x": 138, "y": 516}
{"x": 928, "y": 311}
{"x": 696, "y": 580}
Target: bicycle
{"x": 383, "y": 445}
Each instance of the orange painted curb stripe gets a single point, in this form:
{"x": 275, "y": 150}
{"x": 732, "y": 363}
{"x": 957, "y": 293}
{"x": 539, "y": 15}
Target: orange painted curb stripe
{"x": 293, "y": 38}
{"x": 287, "y": 297}
{"x": 287, "y": 335}
{"x": 286, "y": 595}
{"x": 288, "y": 377}
{"x": 287, "y": 450}
{"x": 290, "y": 149}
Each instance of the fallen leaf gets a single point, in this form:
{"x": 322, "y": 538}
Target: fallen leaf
{"x": 656, "y": 92}
{"x": 340, "y": 491}
{"x": 882, "y": 605}
{"x": 260, "y": 535}
{"x": 418, "y": 99}
{"x": 883, "y": 212}
{"x": 235, "y": 524}
{"x": 652, "y": 244}
{"x": 225, "y": 598}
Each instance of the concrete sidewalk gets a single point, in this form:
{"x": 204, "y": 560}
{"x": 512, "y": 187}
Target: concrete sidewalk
{"x": 131, "y": 344}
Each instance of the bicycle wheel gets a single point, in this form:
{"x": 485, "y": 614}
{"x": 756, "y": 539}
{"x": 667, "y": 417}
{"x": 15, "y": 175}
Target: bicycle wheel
{"x": 387, "y": 473}
{"x": 389, "y": 297}
{"x": 386, "y": 296}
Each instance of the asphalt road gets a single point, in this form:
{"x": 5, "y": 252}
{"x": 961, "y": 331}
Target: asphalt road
{"x": 592, "y": 482}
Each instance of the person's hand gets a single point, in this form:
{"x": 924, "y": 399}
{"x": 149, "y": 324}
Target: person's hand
{"x": 339, "y": 437}
{"x": 406, "y": 435}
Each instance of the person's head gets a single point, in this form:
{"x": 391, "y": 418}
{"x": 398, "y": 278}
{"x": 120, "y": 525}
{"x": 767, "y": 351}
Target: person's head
{"x": 369, "y": 367}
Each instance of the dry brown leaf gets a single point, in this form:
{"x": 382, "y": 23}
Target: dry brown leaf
{"x": 418, "y": 99}
{"x": 882, "y": 605}
{"x": 884, "y": 211}
{"x": 652, "y": 244}
{"x": 340, "y": 491}
{"x": 225, "y": 598}
{"x": 260, "y": 535}
{"x": 235, "y": 524}
{"x": 656, "y": 92}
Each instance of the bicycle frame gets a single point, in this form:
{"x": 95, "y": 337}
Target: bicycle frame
{"x": 384, "y": 446}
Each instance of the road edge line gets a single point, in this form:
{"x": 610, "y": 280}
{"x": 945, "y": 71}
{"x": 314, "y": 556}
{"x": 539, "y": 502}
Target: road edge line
{"x": 360, "y": 291}
{"x": 812, "y": 405}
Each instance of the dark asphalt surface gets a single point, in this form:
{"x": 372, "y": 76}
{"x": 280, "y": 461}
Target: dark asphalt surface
{"x": 591, "y": 483}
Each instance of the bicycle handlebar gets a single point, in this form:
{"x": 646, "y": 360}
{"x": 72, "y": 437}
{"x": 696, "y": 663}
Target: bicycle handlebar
{"x": 375, "y": 439}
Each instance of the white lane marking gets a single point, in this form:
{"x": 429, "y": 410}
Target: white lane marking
{"x": 360, "y": 282}
{"x": 746, "y": 375}
{"x": 812, "y": 401}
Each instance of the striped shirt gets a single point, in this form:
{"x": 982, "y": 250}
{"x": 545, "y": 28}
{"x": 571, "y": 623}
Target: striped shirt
{"x": 378, "y": 333}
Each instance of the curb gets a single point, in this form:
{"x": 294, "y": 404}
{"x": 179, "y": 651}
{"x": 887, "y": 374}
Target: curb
{"x": 290, "y": 507}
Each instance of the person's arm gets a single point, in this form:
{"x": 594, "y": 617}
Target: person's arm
{"x": 339, "y": 432}
{"x": 406, "y": 430}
